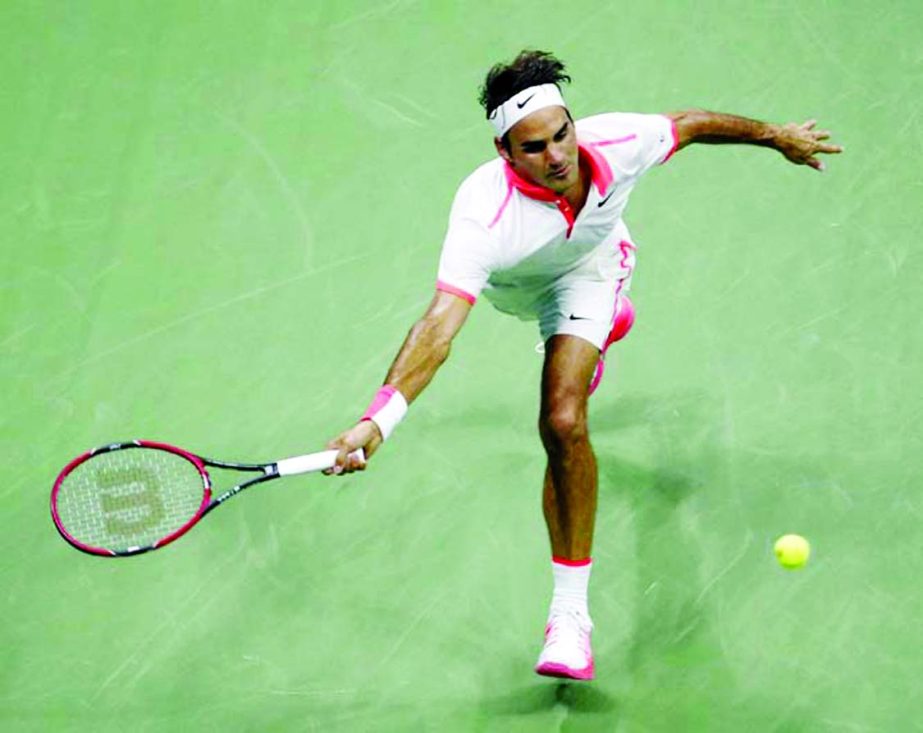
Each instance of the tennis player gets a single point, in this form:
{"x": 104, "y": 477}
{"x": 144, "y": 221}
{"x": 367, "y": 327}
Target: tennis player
{"x": 538, "y": 231}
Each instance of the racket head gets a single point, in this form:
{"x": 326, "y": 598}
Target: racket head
{"x": 128, "y": 498}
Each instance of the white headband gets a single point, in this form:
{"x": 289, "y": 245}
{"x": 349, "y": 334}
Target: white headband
{"x": 523, "y": 104}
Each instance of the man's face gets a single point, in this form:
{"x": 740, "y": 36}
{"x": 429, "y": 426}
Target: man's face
{"x": 543, "y": 148}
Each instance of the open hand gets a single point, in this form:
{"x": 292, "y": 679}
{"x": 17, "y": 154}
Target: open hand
{"x": 801, "y": 143}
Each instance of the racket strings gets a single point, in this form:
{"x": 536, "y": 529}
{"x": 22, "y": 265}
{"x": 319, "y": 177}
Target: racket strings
{"x": 129, "y": 498}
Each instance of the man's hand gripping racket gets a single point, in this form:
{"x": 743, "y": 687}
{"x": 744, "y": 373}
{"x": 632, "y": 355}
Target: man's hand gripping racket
{"x": 128, "y": 498}
{"x": 384, "y": 413}
{"x": 354, "y": 447}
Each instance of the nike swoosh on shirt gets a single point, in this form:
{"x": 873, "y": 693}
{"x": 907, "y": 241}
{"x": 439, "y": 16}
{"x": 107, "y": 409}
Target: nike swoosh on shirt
{"x": 525, "y": 102}
{"x": 599, "y": 205}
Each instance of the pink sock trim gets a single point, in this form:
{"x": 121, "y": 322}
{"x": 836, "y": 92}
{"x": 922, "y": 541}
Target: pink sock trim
{"x": 381, "y": 399}
{"x": 571, "y": 563}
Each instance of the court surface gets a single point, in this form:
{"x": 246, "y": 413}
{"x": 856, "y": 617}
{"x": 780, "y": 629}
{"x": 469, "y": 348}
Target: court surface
{"x": 218, "y": 221}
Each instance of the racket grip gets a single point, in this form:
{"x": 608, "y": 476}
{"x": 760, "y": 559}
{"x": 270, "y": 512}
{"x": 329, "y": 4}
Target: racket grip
{"x": 312, "y": 462}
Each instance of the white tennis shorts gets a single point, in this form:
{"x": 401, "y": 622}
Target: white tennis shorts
{"x": 582, "y": 302}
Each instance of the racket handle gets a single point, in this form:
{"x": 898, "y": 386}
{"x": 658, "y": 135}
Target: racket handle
{"x": 312, "y": 462}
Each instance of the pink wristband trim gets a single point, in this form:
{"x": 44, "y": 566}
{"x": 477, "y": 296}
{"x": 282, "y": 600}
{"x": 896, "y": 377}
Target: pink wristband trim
{"x": 571, "y": 563}
{"x": 380, "y": 400}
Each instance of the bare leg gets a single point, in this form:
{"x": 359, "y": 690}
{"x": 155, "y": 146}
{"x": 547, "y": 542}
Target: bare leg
{"x": 569, "y": 496}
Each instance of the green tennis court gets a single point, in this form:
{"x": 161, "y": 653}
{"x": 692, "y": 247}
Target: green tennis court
{"x": 218, "y": 222}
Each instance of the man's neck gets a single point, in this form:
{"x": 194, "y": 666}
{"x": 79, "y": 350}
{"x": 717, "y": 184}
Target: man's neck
{"x": 576, "y": 196}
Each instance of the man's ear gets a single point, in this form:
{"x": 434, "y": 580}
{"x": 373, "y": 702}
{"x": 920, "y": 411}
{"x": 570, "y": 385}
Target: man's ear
{"x": 502, "y": 151}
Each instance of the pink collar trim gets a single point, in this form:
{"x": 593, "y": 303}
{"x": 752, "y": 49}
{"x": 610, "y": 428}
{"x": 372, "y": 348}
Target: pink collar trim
{"x": 601, "y": 175}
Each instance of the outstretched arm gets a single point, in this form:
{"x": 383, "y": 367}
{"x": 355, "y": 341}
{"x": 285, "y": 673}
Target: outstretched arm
{"x": 799, "y": 143}
{"x": 425, "y": 349}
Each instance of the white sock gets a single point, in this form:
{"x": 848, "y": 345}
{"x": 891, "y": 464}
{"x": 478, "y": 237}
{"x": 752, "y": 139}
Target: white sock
{"x": 570, "y": 584}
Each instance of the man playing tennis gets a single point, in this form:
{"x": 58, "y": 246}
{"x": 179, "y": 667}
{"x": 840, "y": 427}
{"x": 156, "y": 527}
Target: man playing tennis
{"x": 539, "y": 232}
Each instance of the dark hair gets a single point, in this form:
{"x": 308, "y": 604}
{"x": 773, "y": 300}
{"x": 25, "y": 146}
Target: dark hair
{"x": 529, "y": 68}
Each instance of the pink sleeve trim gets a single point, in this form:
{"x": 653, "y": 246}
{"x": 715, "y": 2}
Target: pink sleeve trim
{"x": 570, "y": 563}
{"x": 675, "y": 140}
{"x": 463, "y": 294}
{"x": 381, "y": 399}
{"x": 615, "y": 141}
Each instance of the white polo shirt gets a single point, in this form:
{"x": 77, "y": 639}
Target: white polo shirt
{"x": 512, "y": 239}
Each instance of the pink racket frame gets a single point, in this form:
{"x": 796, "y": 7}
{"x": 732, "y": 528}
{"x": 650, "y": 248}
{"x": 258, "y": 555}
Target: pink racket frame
{"x": 192, "y": 458}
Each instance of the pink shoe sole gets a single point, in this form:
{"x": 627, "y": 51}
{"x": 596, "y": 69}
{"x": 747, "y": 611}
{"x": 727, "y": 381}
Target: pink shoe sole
{"x": 553, "y": 669}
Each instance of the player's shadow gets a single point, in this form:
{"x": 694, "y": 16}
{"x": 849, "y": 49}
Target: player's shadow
{"x": 574, "y": 696}
{"x": 680, "y": 439}
{"x": 668, "y": 458}
{"x": 667, "y": 461}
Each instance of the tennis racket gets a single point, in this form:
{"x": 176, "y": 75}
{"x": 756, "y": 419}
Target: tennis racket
{"x": 127, "y": 498}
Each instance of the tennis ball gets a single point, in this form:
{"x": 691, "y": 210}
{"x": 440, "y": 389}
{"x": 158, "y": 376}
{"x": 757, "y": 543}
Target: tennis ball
{"x": 792, "y": 551}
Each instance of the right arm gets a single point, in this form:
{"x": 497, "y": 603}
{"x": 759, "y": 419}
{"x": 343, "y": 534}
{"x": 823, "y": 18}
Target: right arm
{"x": 425, "y": 349}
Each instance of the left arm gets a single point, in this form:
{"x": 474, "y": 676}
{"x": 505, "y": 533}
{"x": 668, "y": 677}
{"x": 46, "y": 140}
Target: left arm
{"x": 799, "y": 143}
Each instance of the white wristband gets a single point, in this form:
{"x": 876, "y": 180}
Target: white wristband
{"x": 387, "y": 410}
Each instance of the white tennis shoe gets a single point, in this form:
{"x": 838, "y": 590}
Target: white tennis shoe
{"x": 567, "y": 652}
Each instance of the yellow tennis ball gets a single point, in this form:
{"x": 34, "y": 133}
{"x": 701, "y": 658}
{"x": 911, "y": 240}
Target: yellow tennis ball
{"x": 792, "y": 551}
